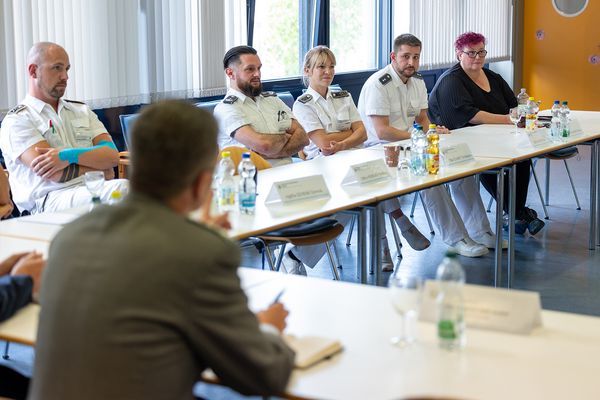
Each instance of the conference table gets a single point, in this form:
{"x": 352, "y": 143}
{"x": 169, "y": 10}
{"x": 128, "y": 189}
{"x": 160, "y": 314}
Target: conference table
{"x": 555, "y": 361}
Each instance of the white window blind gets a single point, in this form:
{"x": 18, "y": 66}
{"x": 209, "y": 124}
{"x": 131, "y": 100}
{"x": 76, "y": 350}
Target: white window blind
{"x": 439, "y": 22}
{"x": 123, "y": 51}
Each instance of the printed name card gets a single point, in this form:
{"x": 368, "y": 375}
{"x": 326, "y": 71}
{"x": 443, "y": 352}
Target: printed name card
{"x": 512, "y": 311}
{"x": 307, "y": 187}
{"x": 539, "y": 138}
{"x": 369, "y": 171}
{"x": 456, "y": 154}
{"x": 575, "y": 128}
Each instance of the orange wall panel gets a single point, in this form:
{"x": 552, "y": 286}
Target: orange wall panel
{"x": 557, "y": 66}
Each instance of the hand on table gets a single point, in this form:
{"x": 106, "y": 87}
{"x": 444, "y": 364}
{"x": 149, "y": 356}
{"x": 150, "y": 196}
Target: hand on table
{"x": 220, "y": 221}
{"x": 274, "y": 315}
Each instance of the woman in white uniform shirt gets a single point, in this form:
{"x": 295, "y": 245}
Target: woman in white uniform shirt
{"x": 333, "y": 124}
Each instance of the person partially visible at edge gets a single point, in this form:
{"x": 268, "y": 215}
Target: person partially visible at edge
{"x": 470, "y": 94}
{"x": 49, "y": 143}
{"x": 138, "y": 299}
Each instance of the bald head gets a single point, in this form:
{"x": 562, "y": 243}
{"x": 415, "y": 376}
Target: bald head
{"x": 48, "y": 66}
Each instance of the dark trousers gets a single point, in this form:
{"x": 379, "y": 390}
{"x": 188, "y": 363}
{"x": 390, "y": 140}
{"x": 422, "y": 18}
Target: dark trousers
{"x": 12, "y": 384}
{"x": 523, "y": 169}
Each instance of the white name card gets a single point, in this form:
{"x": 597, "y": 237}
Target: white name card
{"x": 575, "y": 128}
{"x": 456, "y": 154}
{"x": 369, "y": 171}
{"x": 512, "y": 311}
{"x": 298, "y": 189}
{"x": 539, "y": 138}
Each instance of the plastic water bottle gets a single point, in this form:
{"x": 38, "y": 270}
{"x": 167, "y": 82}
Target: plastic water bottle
{"x": 247, "y": 187}
{"x": 565, "y": 121}
{"x": 450, "y": 303}
{"x": 531, "y": 116}
{"x": 225, "y": 183}
{"x": 555, "y": 124}
{"x": 418, "y": 152}
{"x": 522, "y": 99}
{"x": 433, "y": 150}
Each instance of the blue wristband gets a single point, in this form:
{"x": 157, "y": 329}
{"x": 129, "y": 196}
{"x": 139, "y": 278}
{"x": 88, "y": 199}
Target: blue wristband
{"x": 72, "y": 155}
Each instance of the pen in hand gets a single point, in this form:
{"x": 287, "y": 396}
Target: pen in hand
{"x": 276, "y": 299}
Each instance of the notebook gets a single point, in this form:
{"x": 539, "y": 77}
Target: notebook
{"x": 312, "y": 349}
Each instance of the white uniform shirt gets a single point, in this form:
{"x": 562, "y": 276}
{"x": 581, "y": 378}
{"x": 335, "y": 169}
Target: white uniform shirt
{"x": 402, "y": 102}
{"x": 75, "y": 125}
{"x": 333, "y": 114}
{"x": 266, "y": 114}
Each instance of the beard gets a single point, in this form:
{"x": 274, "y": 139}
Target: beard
{"x": 408, "y": 72}
{"x": 249, "y": 90}
{"x": 58, "y": 91}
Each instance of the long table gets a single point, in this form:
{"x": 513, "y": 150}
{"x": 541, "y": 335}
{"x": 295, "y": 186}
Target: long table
{"x": 556, "y": 361}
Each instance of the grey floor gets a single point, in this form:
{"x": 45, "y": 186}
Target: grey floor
{"x": 556, "y": 262}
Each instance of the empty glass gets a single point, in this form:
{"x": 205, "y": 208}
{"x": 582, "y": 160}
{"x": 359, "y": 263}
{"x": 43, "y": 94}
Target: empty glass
{"x": 94, "y": 181}
{"x": 405, "y": 293}
{"x": 515, "y": 115}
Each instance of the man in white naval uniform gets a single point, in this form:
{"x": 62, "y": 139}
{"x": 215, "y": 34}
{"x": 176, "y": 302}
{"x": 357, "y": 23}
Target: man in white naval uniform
{"x": 261, "y": 122}
{"x": 390, "y": 101}
{"x": 49, "y": 143}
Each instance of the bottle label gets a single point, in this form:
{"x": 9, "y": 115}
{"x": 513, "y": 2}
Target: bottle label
{"x": 226, "y": 197}
{"x": 247, "y": 200}
{"x": 446, "y": 330}
{"x": 433, "y": 163}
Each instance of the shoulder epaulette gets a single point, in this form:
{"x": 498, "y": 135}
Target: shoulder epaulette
{"x": 74, "y": 101}
{"x": 385, "y": 79}
{"x": 418, "y": 75}
{"x": 230, "y": 99}
{"x": 340, "y": 94}
{"x": 305, "y": 98}
{"x": 268, "y": 94}
{"x": 17, "y": 109}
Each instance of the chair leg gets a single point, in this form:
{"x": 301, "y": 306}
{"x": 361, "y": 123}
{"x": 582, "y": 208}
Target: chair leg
{"x": 489, "y": 207}
{"x": 426, "y": 214}
{"x": 414, "y": 204}
{"x": 537, "y": 185}
{"x": 396, "y": 235}
{"x": 334, "y": 270}
{"x": 547, "y": 181}
{"x": 350, "y": 230}
{"x": 572, "y": 184}
{"x": 337, "y": 255}
{"x": 5, "y": 355}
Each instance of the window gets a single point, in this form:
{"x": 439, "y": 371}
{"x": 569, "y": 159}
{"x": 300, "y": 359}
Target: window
{"x": 277, "y": 37}
{"x": 401, "y": 17}
{"x": 353, "y": 34}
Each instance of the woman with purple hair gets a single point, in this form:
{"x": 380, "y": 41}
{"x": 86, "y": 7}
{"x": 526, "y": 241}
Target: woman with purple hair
{"x": 469, "y": 94}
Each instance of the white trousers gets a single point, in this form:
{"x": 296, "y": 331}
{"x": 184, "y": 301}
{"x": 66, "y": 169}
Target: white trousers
{"x": 466, "y": 218}
{"x": 77, "y": 196}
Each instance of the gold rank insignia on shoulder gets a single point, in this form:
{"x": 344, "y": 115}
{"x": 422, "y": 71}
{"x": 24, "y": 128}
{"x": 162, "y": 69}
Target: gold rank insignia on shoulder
{"x": 340, "y": 94}
{"x": 268, "y": 94}
{"x": 385, "y": 79}
{"x": 75, "y": 101}
{"x": 230, "y": 99}
{"x": 418, "y": 75}
{"x": 17, "y": 109}
{"x": 305, "y": 98}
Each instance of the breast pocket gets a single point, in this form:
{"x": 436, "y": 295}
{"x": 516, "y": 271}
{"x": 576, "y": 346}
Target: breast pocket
{"x": 413, "y": 109}
{"x": 284, "y": 122}
{"x": 51, "y": 136}
{"x": 343, "y": 120}
{"x": 81, "y": 130}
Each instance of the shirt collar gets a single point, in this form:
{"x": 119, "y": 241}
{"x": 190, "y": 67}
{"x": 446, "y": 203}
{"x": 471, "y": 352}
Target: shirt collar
{"x": 315, "y": 95}
{"x": 396, "y": 78}
{"x": 237, "y": 94}
{"x": 38, "y": 105}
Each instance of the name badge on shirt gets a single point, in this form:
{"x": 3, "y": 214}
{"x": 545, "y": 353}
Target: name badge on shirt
{"x": 343, "y": 125}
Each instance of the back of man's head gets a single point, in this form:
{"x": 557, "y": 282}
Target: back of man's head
{"x": 233, "y": 55}
{"x": 172, "y": 142}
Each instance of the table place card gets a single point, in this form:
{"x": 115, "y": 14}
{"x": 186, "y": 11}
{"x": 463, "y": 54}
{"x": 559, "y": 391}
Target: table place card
{"x": 539, "y": 138}
{"x": 456, "y": 154}
{"x": 512, "y": 311}
{"x": 369, "y": 171}
{"x": 298, "y": 189}
{"x": 575, "y": 128}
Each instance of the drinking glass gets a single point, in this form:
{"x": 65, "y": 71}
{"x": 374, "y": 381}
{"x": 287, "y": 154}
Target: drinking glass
{"x": 515, "y": 115}
{"x": 405, "y": 293}
{"x": 94, "y": 181}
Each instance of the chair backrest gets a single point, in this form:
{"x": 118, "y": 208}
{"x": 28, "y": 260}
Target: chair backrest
{"x": 126, "y": 125}
{"x": 236, "y": 156}
{"x": 208, "y": 105}
{"x": 287, "y": 98}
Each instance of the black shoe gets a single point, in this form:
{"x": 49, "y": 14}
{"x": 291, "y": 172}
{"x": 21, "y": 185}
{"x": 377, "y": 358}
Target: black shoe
{"x": 520, "y": 226}
{"x": 535, "y": 226}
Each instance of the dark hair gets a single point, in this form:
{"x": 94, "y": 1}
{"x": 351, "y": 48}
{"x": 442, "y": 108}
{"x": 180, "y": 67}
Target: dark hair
{"x": 233, "y": 54}
{"x": 467, "y": 39}
{"x": 406, "y": 39}
{"x": 171, "y": 143}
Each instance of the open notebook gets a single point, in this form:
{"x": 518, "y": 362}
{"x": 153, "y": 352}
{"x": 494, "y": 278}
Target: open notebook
{"x": 312, "y": 349}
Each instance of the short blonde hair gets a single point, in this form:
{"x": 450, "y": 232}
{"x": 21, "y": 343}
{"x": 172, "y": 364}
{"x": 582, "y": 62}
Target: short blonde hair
{"x": 315, "y": 56}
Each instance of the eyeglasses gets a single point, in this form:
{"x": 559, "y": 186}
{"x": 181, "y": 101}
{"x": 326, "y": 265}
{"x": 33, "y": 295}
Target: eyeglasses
{"x": 473, "y": 53}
